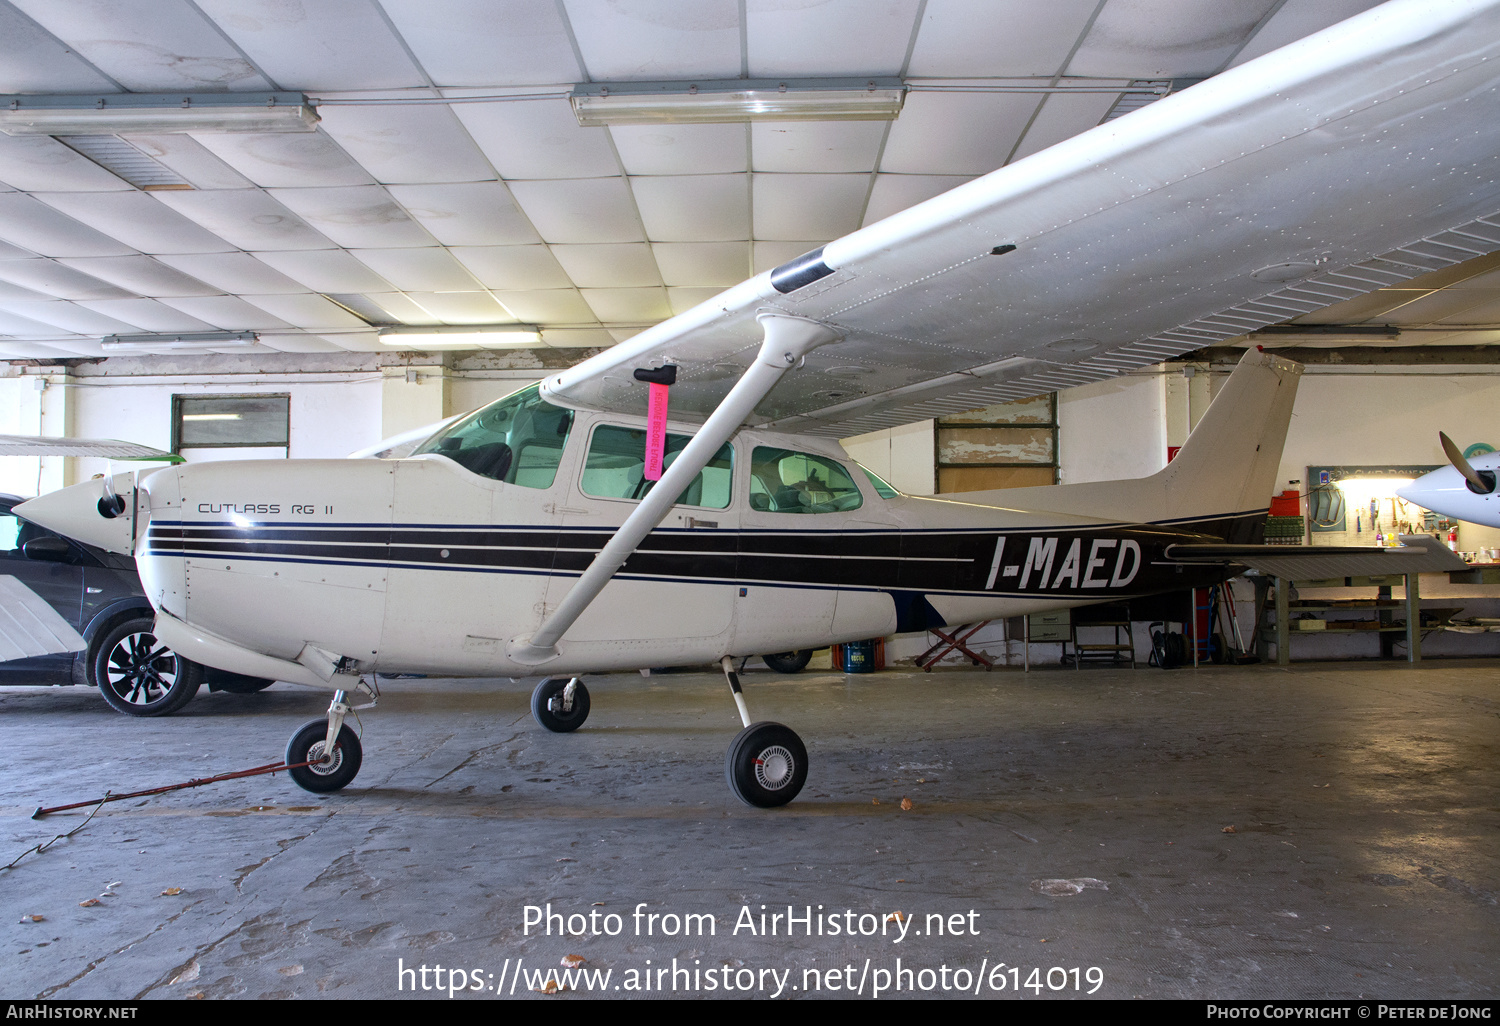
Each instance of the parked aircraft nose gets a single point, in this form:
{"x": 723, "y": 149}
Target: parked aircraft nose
{"x": 90, "y": 512}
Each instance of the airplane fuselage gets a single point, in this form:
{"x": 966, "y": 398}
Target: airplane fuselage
{"x": 424, "y": 566}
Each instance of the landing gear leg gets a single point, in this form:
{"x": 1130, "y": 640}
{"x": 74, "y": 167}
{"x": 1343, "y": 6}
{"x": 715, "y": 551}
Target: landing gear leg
{"x": 331, "y": 750}
{"x": 767, "y": 762}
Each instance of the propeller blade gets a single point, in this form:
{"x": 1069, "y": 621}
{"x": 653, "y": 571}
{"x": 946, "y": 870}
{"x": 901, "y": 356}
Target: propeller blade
{"x": 1455, "y": 457}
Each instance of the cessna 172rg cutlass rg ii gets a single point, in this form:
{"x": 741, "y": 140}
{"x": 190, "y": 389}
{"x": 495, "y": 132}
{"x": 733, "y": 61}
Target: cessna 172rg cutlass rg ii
{"x": 525, "y": 539}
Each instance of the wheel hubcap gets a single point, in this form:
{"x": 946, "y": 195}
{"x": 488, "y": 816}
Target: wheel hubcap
{"x": 322, "y": 765}
{"x": 141, "y": 670}
{"x": 774, "y": 767}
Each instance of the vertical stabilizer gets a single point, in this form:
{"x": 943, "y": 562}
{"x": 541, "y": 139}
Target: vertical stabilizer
{"x": 1222, "y": 477}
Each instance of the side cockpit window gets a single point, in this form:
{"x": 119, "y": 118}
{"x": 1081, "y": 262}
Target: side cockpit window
{"x": 615, "y": 468}
{"x": 518, "y": 440}
{"x": 784, "y": 481}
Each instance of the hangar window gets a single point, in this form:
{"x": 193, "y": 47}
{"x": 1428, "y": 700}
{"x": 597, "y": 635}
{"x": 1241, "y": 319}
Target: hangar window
{"x": 205, "y": 422}
{"x": 1008, "y": 445}
{"x": 616, "y": 467}
{"x": 518, "y": 440}
{"x": 783, "y": 481}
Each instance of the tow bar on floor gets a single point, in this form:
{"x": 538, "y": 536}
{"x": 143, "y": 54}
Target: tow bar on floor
{"x": 274, "y": 767}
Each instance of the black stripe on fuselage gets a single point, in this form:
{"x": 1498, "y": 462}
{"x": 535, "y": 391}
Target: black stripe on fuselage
{"x": 1086, "y": 563}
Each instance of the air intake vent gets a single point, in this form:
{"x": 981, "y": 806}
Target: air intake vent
{"x": 125, "y": 161}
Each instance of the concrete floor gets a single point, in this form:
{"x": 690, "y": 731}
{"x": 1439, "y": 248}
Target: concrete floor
{"x": 1364, "y": 801}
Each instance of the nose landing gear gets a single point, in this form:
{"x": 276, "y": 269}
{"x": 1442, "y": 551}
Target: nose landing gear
{"x": 330, "y": 749}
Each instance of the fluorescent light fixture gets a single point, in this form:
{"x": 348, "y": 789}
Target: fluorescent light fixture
{"x": 807, "y": 99}
{"x": 201, "y": 341}
{"x": 466, "y": 336}
{"x": 121, "y": 113}
{"x": 212, "y": 416}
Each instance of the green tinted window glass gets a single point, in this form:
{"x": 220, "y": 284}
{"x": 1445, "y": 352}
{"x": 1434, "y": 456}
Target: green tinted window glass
{"x": 784, "y": 481}
{"x": 616, "y": 464}
{"x": 518, "y": 440}
{"x": 882, "y": 489}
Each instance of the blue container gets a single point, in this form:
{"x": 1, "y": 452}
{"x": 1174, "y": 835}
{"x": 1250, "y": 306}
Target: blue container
{"x": 859, "y": 657}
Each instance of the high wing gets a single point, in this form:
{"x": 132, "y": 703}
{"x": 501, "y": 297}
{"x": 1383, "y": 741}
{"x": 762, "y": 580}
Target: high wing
{"x": 1354, "y": 159}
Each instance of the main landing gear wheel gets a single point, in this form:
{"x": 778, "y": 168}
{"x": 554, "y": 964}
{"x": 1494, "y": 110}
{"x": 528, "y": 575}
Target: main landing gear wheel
{"x": 327, "y": 772}
{"x": 788, "y": 662}
{"x": 766, "y": 765}
{"x": 556, "y": 708}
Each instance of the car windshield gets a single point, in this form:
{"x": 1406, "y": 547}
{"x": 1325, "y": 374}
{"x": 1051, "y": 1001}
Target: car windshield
{"x": 518, "y": 440}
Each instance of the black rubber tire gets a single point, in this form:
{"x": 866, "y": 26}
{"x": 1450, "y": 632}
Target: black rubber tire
{"x": 779, "y": 755}
{"x": 307, "y": 744}
{"x": 238, "y": 683}
{"x": 549, "y": 712}
{"x": 788, "y": 662}
{"x": 139, "y": 676}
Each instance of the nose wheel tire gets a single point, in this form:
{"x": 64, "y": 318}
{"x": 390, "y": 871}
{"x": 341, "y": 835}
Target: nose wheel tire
{"x": 327, "y": 773}
{"x": 138, "y": 675}
{"x": 766, "y": 765}
{"x": 549, "y": 705}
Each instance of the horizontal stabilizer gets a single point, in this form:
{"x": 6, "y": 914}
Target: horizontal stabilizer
{"x": 1418, "y": 554}
{"x": 108, "y": 448}
{"x": 30, "y": 627}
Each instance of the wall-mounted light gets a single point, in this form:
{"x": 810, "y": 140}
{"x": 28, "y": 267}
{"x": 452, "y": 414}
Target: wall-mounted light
{"x": 467, "y": 336}
{"x": 123, "y": 113}
{"x": 727, "y": 100}
{"x": 199, "y": 341}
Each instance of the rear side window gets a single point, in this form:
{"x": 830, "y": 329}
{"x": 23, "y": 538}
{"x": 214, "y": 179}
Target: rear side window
{"x": 519, "y": 440}
{"x": 615, "y": 468}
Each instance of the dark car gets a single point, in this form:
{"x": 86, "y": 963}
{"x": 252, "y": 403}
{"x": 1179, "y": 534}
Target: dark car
{"x": 100, "y": 594}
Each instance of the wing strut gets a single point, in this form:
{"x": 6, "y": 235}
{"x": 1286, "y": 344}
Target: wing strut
{"x": 787, "y": 340}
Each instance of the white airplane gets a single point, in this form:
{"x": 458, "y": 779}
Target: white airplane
{"x": 526, "y": 539}
{"x": 1465, "y": 490}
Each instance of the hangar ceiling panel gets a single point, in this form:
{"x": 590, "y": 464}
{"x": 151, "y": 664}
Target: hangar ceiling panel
{"x": 448, "y": 161}
{"x": 513, "y": 267}
{"x": 326, "y": 270}
{"x": 817, "y": 146}
{"x": 467, "y": 214}
{"x": 1166, "y": 38}
{"x": 719, "y": 264}
{"x": 681, "y": 149}
{"x": 39, "y": 162}
{"x": 329, "y": 44}
{"x": 965, "y": 38}
{"x": 486, "y": 42}
{"x": 537, "y": 139}
{"x": 657, "y": 39}
{"x": 148, "y": 45}
{"x": 38, "y": 62}
{"x": 362, "y": 216}
{"x": 617, "y": 265}
{"x": 834, "y": 38}
{"x": 412, "y": 145}
{"x": 146, "y": 314}
{"x": 141, "y": 275}
{"x": 59, "y": 281}
{"x": 693, "y": 208}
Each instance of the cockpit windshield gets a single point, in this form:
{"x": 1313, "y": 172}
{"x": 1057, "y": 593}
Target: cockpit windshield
{"x": 518, "y": 440}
